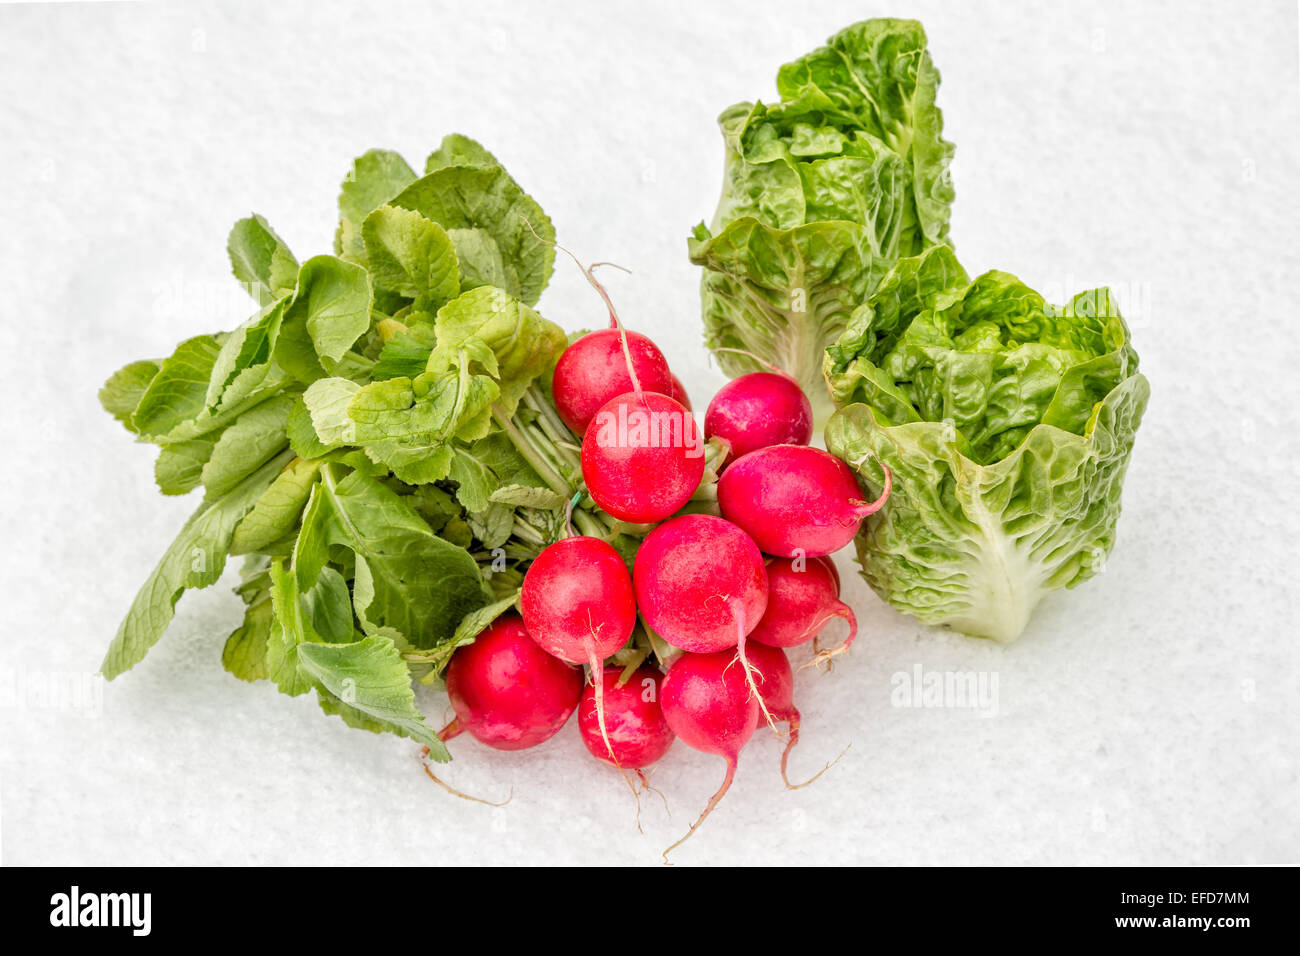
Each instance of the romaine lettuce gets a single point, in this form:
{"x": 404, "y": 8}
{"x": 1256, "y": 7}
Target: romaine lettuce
{"x": 1008, "y": 424}
{"x": 821, "y": 194}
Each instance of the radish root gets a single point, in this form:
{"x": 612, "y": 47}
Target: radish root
{"x": 825, "y": 657}
{"x": 424, "y": 755}
{"x": 588, "y": 273}
{"x": 598, "y": 683}
{"x": 713, "y": 802}
{"x": 794, "y": 736}
{"x": 776, "y": 370}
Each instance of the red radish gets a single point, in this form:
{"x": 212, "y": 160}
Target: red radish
{"x": 757, "y": 410}
{"x": 577, "y": 600}
{"x": 594, "y": 369}
{"x": 795, "y": 500}
{"x": 826, "y": 561}
{"x": 700, "y": 583}
{"x": 507, "y": 692}
{"x": 803, "y": 596}
{"x": 776, "y": 684}
{"x": 708, "y": 703}
{"x": 577, "y": 604}
{"x": 637, "y": 731}
{"x": 679, "y": 393}
{"x": 642, "y": 457}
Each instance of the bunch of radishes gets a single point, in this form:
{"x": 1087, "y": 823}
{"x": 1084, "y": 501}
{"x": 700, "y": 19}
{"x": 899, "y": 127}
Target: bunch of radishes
{"x": 729, "y": 591}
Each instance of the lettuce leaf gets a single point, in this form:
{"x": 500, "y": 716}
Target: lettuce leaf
{"x": 1007, "y": 423}
{"x": 822, "y": 193}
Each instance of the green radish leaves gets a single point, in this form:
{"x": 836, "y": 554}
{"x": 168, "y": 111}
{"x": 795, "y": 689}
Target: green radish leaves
{"x": 374, "y": 438}
{"x": 194, "y": 560}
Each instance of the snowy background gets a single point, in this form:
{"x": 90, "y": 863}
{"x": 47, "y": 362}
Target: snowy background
{"x": 1149, "y": 717}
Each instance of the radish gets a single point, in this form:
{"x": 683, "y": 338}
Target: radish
{"x": 637, "y": 733}
{"x": 757, "y": 410}
{"x": 803, "y": 596}
{"x": 507, "y": 692}
{"x": 594, "y": 369}
{"x": 825, "y": 561}
{"x": 642, "y": 457}
{"x": 707, "y": 702}
{"x": 577, "y": 600}
{"x": 776, "y": 683}
{"x": 700, "y": 583}
{"x": 679, "y": 393}
{"x": 777, "y": 688}
{"x": 795, "y": 500}
{"x": 577, "y": 604}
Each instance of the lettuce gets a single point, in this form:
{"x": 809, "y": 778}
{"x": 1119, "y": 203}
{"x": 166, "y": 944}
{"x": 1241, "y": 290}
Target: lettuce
{"x": 1008, "y": 424}
{"x": 821, "y": 194}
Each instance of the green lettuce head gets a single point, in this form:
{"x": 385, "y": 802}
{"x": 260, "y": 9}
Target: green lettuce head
{"x": 1007, "y": 423}
{"x": 821, "y": 194}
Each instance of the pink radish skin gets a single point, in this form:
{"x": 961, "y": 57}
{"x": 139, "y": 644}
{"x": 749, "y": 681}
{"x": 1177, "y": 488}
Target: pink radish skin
{"x": 825, "y": 561}
{"x": 708, "y": 703}
{"x": 757, "y": 410}
{"x": 637, "y": 732}
{"x": 578, "y": 606}
{"x": 507, "y": 692}
{"x": 577, "y": 600}
{"x": 795, "y": 500}
{"x": 594, "y": 370}
{"x": 679, "y": 393}
{"x": 800, "y": 603}
{"x": 700, "y": 583}
{"x": 776, "y": 684}
{"x": 642, "y": 457}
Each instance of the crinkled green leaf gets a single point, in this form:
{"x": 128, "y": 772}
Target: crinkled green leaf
{"x": 255, "y": 438}
{"x": 414, "y": 461}
{"x": 245, "y": 652}
{"x": 179, "y": 468}
{"x": 822, "y": 193}
{"x": 422, "y": 584}
{"x": 486, "y": 198}
{"x": 376, "y": 177}
{"x": 459, "y": 150}
{"x": 327, "y": 401}
{"x": 1007, "y": 424}
{"x": 470, "y": 627}
{"x": 243, "y": 365}
{"x": 124, "y": 389}
{"x": 481, "y": 261}
{"x": 194, "y": 560}
{"x": 261, "y": 260}
{"x": 877, "y": 77}
{"x": 178, "y": 393}
{"x": 783, "y": 294}
{"x": 520, "y": 345}
{"x": 371, "y": 677}
{"x": 405, "y": 355}
{"x": 333, "y": 302}
{"x": 276, "y": 512}
{"x": 411, "y": 256}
